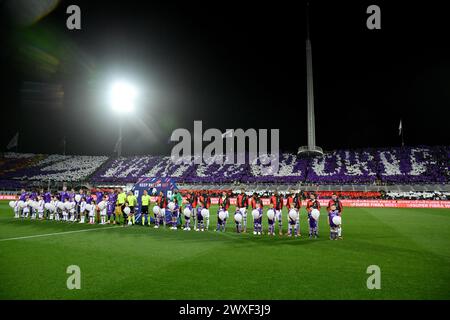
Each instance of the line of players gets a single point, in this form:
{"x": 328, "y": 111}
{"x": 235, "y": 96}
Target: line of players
{"x": 70, "y": 206}
{"x": 108, "y": 208}
{"x": 274, "y": 213}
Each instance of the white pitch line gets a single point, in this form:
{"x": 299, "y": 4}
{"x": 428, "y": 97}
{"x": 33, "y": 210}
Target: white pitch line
{"x": 54, "y": 234}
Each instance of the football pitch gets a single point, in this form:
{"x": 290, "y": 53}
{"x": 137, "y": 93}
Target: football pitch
{"x": 410, "y": 246}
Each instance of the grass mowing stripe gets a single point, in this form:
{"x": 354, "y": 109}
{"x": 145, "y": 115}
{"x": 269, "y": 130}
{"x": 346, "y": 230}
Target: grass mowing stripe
{"x": 54, "y": 234}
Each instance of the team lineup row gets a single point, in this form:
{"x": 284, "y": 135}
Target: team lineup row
{"x": 118, "y": 206}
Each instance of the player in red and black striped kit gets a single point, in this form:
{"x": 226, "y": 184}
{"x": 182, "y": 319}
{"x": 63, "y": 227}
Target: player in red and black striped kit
{"x": 277, "y": 202}
{"x": 289, "y": 200}
{"x": 204, "y": 202}
{"x": 241, "y": 206}
{"x": 298, "y": 201}
{"x": 256, "y": 204}
{"x": 161, "y": 202}
{"x": 294, "y": 200}
{"x": 336, "y": 202}
{"x": 192, "y": 205}
{"x": 311, "y": 204}
{"x": 224, "y": 204}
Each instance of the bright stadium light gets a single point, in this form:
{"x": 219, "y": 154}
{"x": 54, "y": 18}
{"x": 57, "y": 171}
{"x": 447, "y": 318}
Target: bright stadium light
{"x": 122, "y": 100}
{"x": 122, "y": 97}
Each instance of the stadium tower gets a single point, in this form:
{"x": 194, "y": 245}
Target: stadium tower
{"x": 311, "y": 148}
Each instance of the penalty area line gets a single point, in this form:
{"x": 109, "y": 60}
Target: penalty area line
{"x": 55, "y": 234}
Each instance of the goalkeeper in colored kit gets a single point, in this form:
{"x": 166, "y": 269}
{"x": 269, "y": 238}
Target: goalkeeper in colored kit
{"x": 178, "y": 200}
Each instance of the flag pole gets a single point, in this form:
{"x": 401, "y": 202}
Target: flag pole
{"x": 119, "y": 147}
{"x": 403, "y": 142}
{"x": 400, "y": 132}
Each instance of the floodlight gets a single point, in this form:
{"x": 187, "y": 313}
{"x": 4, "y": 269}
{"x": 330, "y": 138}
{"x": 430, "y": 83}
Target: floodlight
{"x": 122, "y": 97}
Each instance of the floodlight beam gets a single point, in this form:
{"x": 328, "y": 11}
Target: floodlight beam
{"x": 122, "y": 97}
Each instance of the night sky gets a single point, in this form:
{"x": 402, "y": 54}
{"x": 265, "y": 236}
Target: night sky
{"x": 229, "y": 65}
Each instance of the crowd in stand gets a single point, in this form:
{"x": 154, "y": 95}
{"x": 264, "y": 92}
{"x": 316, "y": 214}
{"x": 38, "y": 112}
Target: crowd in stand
{"x": 415, "y": 195}
{"x": 353, "y": 195}
{"x": 366, "y": 166}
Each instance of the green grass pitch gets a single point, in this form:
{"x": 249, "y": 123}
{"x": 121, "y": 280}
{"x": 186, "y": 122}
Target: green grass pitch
{"x": 411, "y": 246}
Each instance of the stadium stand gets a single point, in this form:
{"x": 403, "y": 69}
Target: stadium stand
{"x": 48, "y": 167}
{"x": 368, "y": 170}
{"x": 415, "y": 195}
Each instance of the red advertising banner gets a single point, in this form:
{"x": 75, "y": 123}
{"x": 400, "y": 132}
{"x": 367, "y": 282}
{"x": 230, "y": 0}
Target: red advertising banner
{"x": 397, "y": 203}
{"x": 371, "y": 203}
{"x": 346, "y": 202}
{"x": 10, "y": 197}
